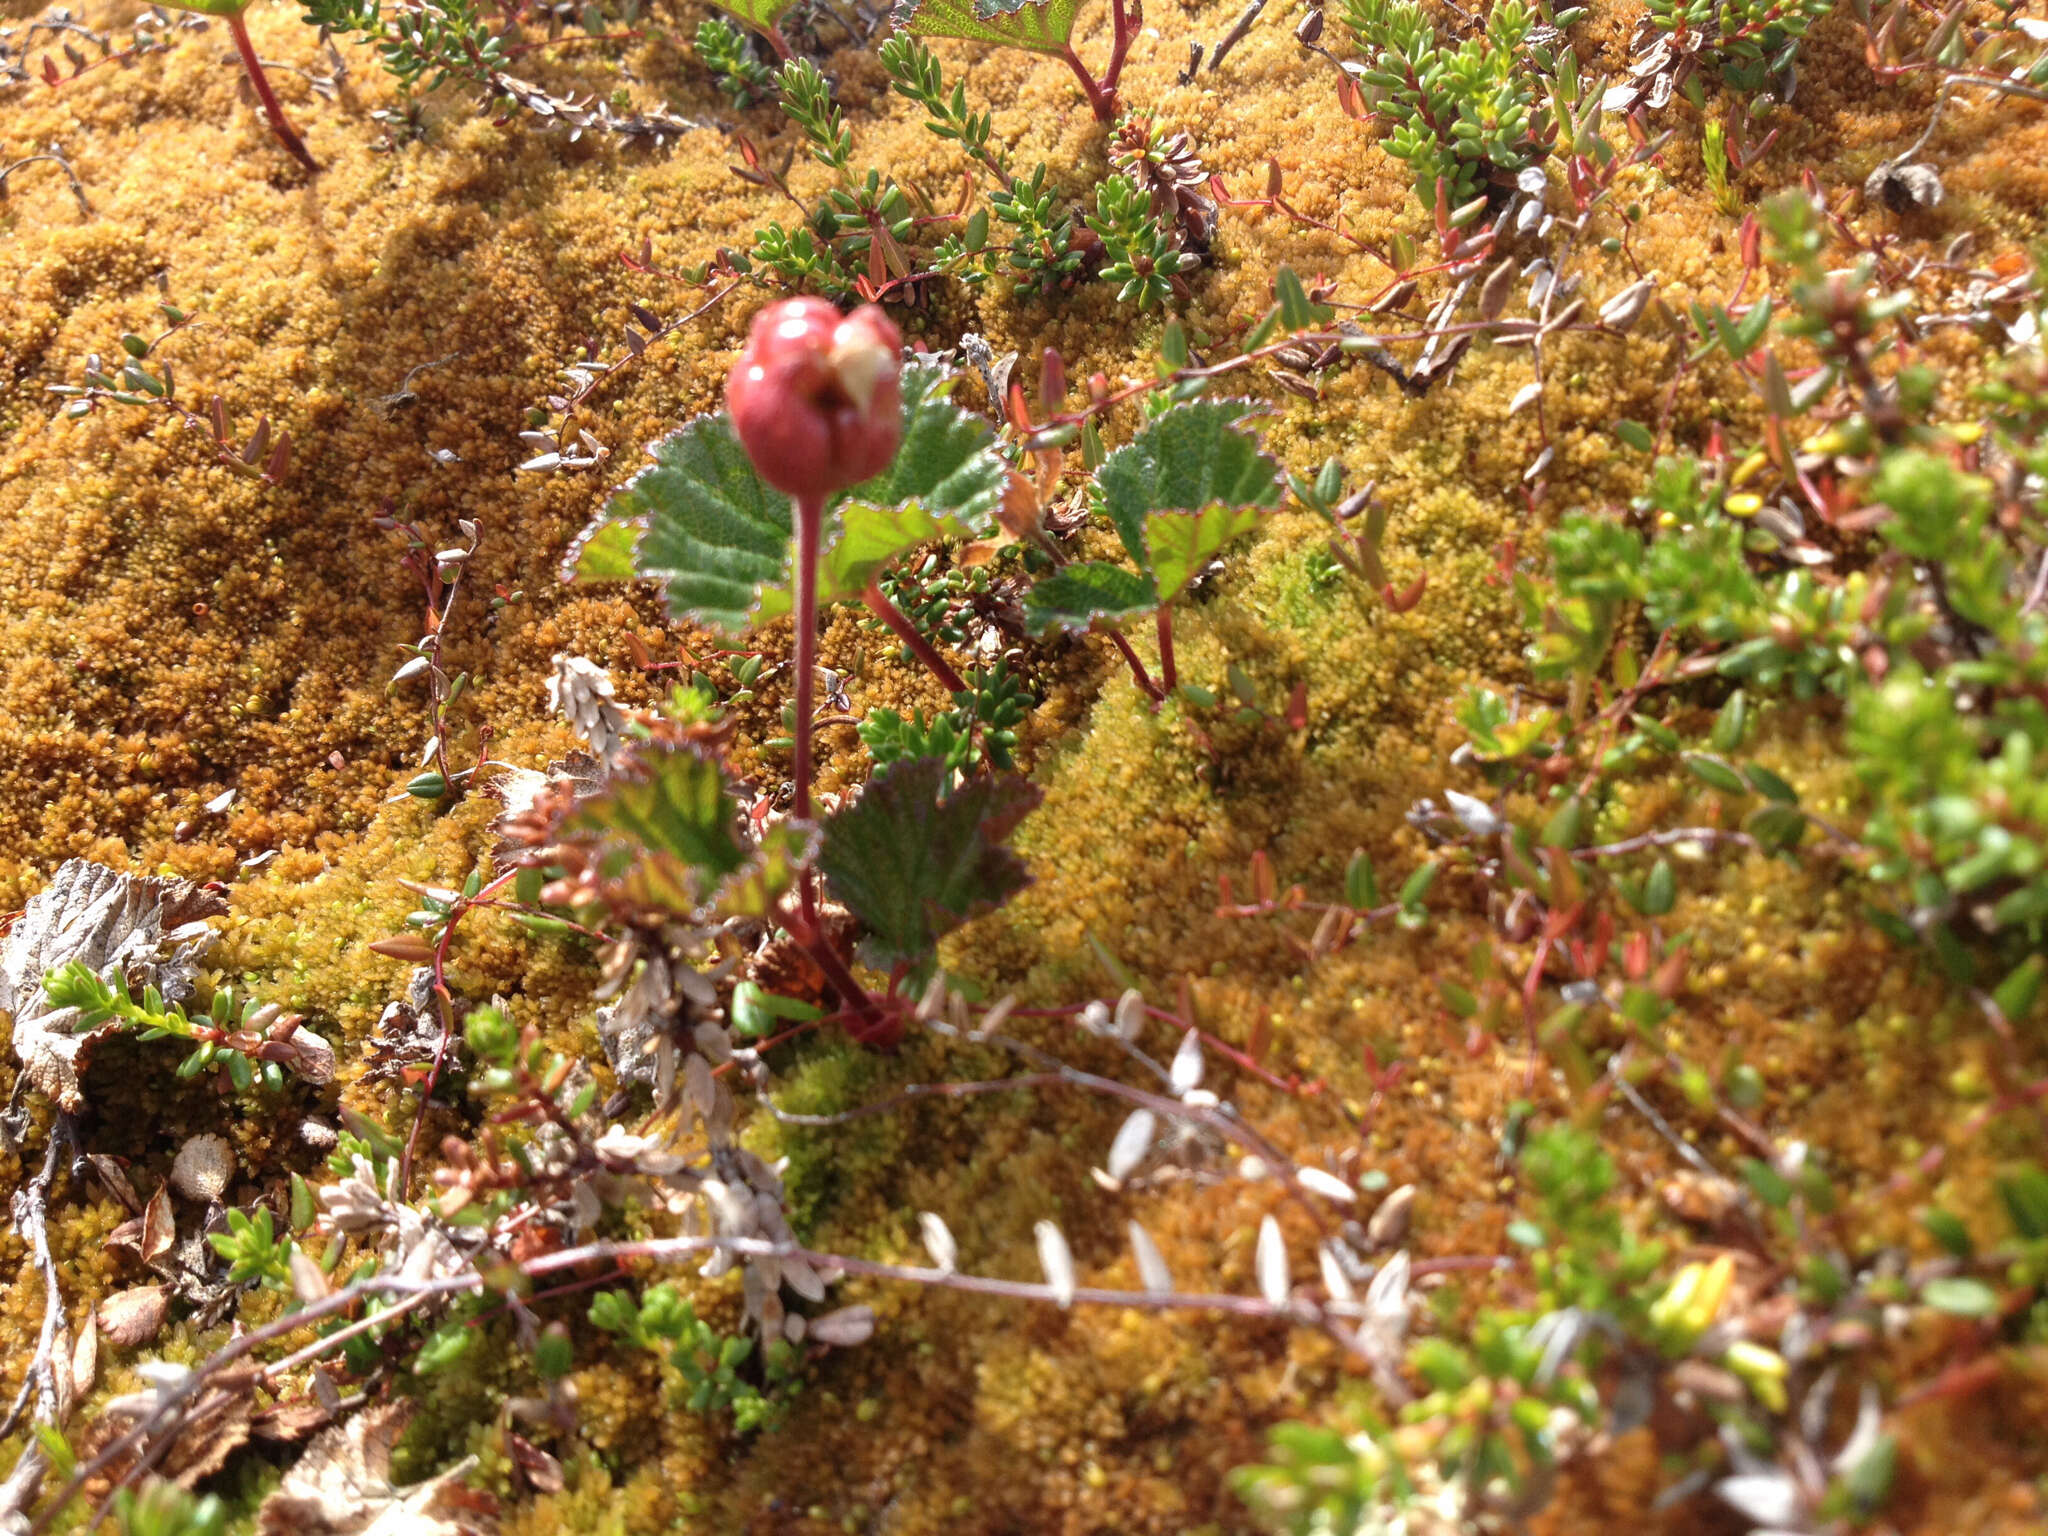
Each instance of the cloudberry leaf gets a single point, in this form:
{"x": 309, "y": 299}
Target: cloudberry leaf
{"x": 1192, "y": 458}
{"x": 1042, "y": 26}
{"x": 913, "y": 864}
{"x": 666, "y": 824}
{"x": 1077, "y": 596}
{"x": 703, "y": 523}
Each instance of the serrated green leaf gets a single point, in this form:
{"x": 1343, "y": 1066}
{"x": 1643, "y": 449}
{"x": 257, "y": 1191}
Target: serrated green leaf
{"x": 1078, "y": 595}
{"x": 667, "y": 824}
{"x": 758, "y": 14}
{"x": 1181, "y": 543}
{"x": 717, "y": 536}
{"x": 716, "y": 532}
{"x": 947, "y": 459}
{"x": 1193, "y": 457}
{"x": 604, "y": 552}
{"x": 912, "y": 866}
{"x": 769, "y": 871}
{"x": 867, "y": 539}
{"x": 1040, "y": 27}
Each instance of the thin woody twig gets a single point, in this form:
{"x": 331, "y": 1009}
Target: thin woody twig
{"x": 58, "y": 160}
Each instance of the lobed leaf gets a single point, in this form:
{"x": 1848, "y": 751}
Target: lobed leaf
{"x": 1075, "y": 597}
{"x": 1193, "y": 457}
{"x": 1042, "y": 26}
{"x": 1181, "y": 543}
{"x": 716, "y": 532}
{"x": 761, "y": 15}
{"x": 913, "y": 863}
{"x": 717, "y": 536}
{"x": 676, "y": 816}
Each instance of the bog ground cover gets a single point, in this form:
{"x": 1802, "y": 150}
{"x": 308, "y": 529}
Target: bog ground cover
{"x": 1035, "y": 767}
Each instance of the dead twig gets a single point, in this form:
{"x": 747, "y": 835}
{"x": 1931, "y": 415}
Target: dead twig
{"x": 56, "y": 159}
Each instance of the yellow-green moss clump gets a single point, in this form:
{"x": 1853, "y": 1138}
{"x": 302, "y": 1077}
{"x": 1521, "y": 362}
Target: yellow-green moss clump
{"x": 169, "y": 630}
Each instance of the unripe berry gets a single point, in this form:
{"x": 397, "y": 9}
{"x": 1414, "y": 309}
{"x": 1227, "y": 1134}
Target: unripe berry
{"x": 815, "y": 396}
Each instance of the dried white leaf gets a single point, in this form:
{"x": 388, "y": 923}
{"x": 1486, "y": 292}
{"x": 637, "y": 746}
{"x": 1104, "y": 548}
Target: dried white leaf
{"x": 938, "y": 1241}
{"x": 700, "y": 1089}
{"x": 1130, "y": 1014}
{"x": 1057, "y": 1260}
{"x": 1389, "y": 1223}
{"x": 1768, "y": 1498}
{"x": 134, "y": 1316}
{"x": 1328, "y": 1185}
{"x": 1132, "y": 1142}
{"x": 1271, "y": 1260}
{"x": 1186, "y": 1071}
{"x": 1095, "y": 1018}
{"x": 580, "y": 691}
{"x": 845, "y": 1328}
{"x": 1626, "y": 307}
{"x": 342, "y": 1486}
{"x": 202, "y": 1168}
{"x": 998, "y": 1015}
{"x": 800, "y": 1277}
{"x": 1335, "y": 1281}
{"x": 1477, "y": 816}
{"x": 412, "y": 668}
{"x": 1387, "y": 1295}
{"x": 1525, "y": 397}
{"x": 85, "y": 1360}
{"x": 1152, "y": 1271}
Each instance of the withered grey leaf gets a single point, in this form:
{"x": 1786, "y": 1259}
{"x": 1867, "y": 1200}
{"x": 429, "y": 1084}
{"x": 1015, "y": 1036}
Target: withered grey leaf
{"x": 632, "y": 1029}
{"x": 342, "y": 1486}
{"x": 581, "y": 692}
{"x": 153, "y": 930}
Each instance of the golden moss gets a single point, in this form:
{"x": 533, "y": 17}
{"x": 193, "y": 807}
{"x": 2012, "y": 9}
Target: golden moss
{"x": 171, "y": 630}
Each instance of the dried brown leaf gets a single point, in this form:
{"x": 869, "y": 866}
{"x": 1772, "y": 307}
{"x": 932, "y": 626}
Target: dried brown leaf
{"x": 134, "y": 1316}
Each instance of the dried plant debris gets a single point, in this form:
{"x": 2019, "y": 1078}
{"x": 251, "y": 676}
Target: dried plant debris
{"x": 580, "y": 691}
{"x": 408, "y": 1034}
{"x": 151, "y": 930}
{"x": 342, "y": 1487}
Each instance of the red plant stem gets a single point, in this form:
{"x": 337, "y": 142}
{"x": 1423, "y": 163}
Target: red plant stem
{"x": 1169, "y": 674}
{"x": 856, "y": 999}
{"x": 777, "y": 41}
{"x": 810, "y": 520}
{"x": 1129, "y": 18}
{"x": 879, "y": 605}
{"x": 1101, "y": 102}
{"x": 273, "y": 109}
{"x": 1139, "y": 675}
